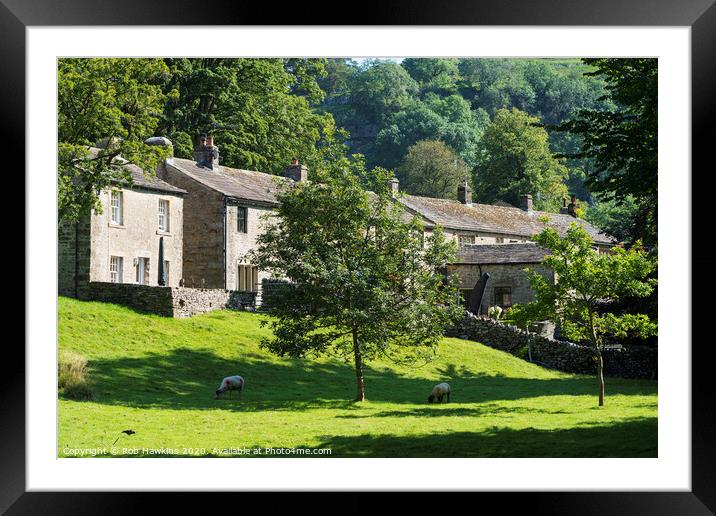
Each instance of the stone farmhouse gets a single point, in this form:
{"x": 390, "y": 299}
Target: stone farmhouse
{"x": 216, "y": 213}
{"x": 136, "y": 239}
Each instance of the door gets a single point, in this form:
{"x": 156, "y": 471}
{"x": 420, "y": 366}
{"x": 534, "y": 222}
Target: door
{"x": 143, "y": 271}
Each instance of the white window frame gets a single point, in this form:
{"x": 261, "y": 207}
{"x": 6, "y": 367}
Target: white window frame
{"x": 166, "y": 271}
{"x": 116, "y": 208}
{"x": 116, "y": 264}
{"x": 143, "y": 266}
{"x": 163, "y": 213}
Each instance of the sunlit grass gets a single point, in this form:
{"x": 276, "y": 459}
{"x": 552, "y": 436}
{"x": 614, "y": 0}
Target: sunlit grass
{"x": 156, "y": 376}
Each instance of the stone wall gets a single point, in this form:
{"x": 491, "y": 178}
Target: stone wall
{"x": 137, "y": 237}
{"x": 73, "y": 256}
{"x": 203, "y": 238}
{"x": 168, "y": 301}
{"x": 238, "y": 244}
{"x": 510, "y": 275}
{"x": 271, "y": 291}
{"x": 624, "y": 362}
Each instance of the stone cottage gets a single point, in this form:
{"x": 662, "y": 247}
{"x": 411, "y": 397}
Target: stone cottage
{"x": 494, "y": 243}
{"x": 141, "y": 225}
{"x": 225, "y": 210}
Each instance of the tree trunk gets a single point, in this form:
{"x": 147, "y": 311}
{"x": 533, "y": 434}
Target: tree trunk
{"x": 600, "y": 359}
{"x": 600, "y": 377}
{"x": 360, "y": 384}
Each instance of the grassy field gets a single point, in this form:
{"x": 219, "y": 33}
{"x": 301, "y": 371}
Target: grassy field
{"x": 157, "y": 376}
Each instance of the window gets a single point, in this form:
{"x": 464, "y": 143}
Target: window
{"x": 464, "y": 240}
{"x": 115, "y": 269}
{"x": 166, "y": 272}
{"x": 248, "y": 279}
{"x": 242, "y": 220}
{"x": 499, "y": 240}
{"x": 503, "y": 297}
{"x": 116, "y": 206}
{"x": 143, "y": 271}
{"x": 163, "y": 215}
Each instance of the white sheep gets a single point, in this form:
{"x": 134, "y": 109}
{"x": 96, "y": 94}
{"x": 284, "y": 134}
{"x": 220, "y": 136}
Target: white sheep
{"x": 439, "y": 391}
{"x": 230, "y": 383}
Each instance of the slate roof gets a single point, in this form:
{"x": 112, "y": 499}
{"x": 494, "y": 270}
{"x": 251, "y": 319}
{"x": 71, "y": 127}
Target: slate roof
{"x": 232, "y": 182}
{"x": 145, "y": 181}
{"x": 489, "y": 218}
{"x": 501, "y": 253}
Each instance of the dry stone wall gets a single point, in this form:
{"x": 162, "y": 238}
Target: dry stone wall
{"x": 168, "y": 301}
{"x": 624, "y": 362}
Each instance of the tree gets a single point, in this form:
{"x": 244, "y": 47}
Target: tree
{"x": 363, "y": 284}
{"x": 260, "y": 111}
{"x": 115, "y": 100}
{"x": 515, "y": 159}
{"x": 623, "y": 141}
{"x": 432, "y": 169}
{"x": 614, "y": 219}
{"x": 586, "y": 282}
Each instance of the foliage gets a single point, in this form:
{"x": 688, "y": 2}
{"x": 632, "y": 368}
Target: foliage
{"x": 72, "y": 376}
{"x": 432, "y": 169}
{"x": 494, "y": 312}
{"x": 623, "y": 141}
{"x": 115, "y": 100}
{"x": 586, "y": 281}
{"x": 260, "y": 111}
{"x": 515, "y": 159}
{"x": 365, "y": 285}
{"x": 157, "y": 376}
{"x": 616, "y": 219}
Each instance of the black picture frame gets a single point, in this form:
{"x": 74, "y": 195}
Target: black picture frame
{"x": 17, "y": 15}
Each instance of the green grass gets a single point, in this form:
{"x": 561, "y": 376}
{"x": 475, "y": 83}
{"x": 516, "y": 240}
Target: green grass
{"x": 157, "y": 376}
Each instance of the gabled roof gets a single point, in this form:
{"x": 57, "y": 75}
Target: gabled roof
{"x": 232, "y": 182}
{"x": 144, "y": 181}
{"x": 501, "y": 253}
{"x": 489, "y": 218}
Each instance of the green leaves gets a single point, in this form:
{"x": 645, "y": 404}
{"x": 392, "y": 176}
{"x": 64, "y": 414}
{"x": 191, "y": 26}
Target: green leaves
{"x": 359, "y": 265}
{"x": 118, "y": 101}
{"x": 515, "y": 159}
{"x": 586, "y": 282}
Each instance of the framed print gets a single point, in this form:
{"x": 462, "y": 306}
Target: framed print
{"x": 206, "y": 284}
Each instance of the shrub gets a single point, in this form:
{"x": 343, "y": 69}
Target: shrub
{"x": 73, "y": 376}
{"x": 494, "y": 312}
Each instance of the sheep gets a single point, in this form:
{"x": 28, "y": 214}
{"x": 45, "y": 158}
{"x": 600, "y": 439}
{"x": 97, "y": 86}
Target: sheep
{"x": 230, "y": 383}
{"x": 439, "y": 391}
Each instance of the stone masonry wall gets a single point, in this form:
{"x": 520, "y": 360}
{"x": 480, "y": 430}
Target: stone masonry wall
{"x": 168, "y": 301}
{"x": 203, "y": 238}
{"x": 73, "y": 256}
{"x": 501, "y": 275}
{"x": 624, "y": 362}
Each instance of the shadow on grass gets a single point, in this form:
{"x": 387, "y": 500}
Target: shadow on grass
{"x": 185, "y": 379}
{"x": 631, "y": 438}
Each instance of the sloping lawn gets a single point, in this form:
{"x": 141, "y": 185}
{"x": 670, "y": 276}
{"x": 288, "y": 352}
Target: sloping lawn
{"x": 156, "y": 376}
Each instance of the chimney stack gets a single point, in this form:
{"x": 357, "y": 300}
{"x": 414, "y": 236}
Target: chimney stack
{"x": 394, "y": 186}
{"x": 572, "y": 207}
{"x": 296, "y": 171}
{"x": 526, "y": 203}
{"x": 464, "y": 193}
{"x": 206, "y": 153}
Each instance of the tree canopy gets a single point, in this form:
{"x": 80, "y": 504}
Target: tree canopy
{"x": 365, "y": 280}
{"x": 432, "y": 169}
{"x": 622, "y": 141}
{"x": 515, "y": 159}
{"x": 586, "y": 282}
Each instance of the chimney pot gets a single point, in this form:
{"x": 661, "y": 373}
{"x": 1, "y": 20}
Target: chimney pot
{"x": 206, "y": 153}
